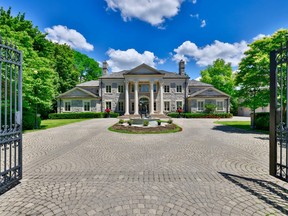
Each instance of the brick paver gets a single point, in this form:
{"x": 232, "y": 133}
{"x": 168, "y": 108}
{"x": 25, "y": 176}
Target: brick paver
{"x": 207, "y": 169}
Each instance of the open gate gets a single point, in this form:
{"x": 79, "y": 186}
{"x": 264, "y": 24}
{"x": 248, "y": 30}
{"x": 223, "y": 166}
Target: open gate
{"x": 10, "y": 115}
{"x": 279, "y": 112}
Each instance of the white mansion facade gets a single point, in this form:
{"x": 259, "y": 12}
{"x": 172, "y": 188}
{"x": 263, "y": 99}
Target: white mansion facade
{"x": 142, "y": 88}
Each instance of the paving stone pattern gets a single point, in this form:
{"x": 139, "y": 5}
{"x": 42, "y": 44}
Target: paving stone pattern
{"x": 207, "y": 169}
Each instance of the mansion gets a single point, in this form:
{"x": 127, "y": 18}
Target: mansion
{"x": 143, "y": 88}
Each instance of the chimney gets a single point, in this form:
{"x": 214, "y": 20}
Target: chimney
{"x": 104, "y": 68}
{"x": 182, "y": 67}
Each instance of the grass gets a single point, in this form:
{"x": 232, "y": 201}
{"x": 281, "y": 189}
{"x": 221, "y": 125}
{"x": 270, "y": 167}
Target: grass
{"x": 51, "y": 123}
{"x": 240, "y": 124}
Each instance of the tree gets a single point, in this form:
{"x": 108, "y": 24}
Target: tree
{"x": 220, "y": 76}
{"x": 87, "y": 67}
{"x": 254, "y": 71}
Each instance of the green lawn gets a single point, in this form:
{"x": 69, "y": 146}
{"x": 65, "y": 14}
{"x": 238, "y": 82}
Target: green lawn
{"x": 238, "y": 124}
{"x": 51, "y": 123}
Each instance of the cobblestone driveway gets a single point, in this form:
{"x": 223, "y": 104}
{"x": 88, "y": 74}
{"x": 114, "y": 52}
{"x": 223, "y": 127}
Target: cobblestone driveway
{"x": 207, "y": 169}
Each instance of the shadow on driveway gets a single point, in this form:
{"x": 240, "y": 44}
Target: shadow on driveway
{"x": 267, "y": 191}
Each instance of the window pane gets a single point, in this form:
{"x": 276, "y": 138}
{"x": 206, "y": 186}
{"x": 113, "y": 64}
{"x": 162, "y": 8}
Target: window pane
{"x": 86, "y": 106}
{"x": 67, "y": 106}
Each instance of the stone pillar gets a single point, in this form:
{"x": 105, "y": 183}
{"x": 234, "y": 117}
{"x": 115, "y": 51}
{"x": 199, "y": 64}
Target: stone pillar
{"x": 136, "y": 102}
{"x": 161, "y": 98}
{"x": 126, "y": 98}
{"x": 151, "y": 98}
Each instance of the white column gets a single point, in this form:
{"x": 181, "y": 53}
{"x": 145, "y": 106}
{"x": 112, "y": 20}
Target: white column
{"x": 161, "y": 98}
{"x": 136, "y": 102}
{"x": 151, "y": 98}
{"x": 126, "y": 98}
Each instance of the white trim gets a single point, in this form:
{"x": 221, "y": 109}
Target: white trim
{"x": 169, "y": 105}
{"x": 222, "y": 106}
{"x": 206, "y": 89}
{"x": 110, "y": 89}
{"x": 105, "y": 107}
{"x": 66, "y": 101}
{"x": 118, "y": 88}
{"x": 77, "y": 88}
{"x": 177, "y": 88}
{"x": 120, "y": 101}
{"x": 203, "y": 105}
{"x": 83, "y": 106}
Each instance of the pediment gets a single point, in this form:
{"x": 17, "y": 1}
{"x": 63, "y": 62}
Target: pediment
{"x": 77, "y": 93}
{"x": 209, "y": 92}
{"x": 143, "y": 69}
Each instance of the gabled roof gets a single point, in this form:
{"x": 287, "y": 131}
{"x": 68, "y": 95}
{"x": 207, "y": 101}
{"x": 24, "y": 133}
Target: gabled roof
{"x": 143, "y": 69}
{"x": 89, "y": 83}
{"x": 206, "y": 89}
{"x": 195, "y": 83}
{"x": 66, "y": 94}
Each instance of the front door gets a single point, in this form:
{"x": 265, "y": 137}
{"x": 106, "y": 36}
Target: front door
{"x": 144, "y": 105}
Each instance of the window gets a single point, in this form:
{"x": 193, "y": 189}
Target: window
{"x": 179, "y": 104}
{"x": 200, "y": 105}
{"x": 108, "y": 105}
{"x": 166, "y": 88}
{"x": 86, "y": 106}
{"x": 132, "y": 106}
{"x": 108, "y": 89}
{"x": 120, "y": 88}
{"x": 219, "y": 105}
{"x": 178, "y": 88}
{"x": 121, "y": 106}
{"x": 155, "y": 87}
{"x": 167, "y": 106}
{"x": 67, "y": 105}
{"x": 155, "y": 106}
{"x": 132, "y": 87}
{"x": 144, "y": 88}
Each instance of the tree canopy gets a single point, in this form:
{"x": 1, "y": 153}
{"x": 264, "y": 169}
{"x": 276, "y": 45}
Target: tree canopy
{"x": 253, "y": 76}
{"x": 219, "y": 74}
{"x": 49, "y": 69}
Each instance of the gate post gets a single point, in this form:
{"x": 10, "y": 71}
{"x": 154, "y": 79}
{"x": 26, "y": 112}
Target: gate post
{"x": 273, "y": 115}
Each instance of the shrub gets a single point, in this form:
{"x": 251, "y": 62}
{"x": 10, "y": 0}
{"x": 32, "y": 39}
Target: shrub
{"x": 262, "y": 121}
{"x": 170, "y": 121}
{"x": 159, "y": 122}
{"x": 121, "y": 121}
{"x": 202, "y": 115}
{"x": 145, "y": 123}
{"x": 210, "y": 108}
{"x": 29, "y": 121}
{"x": 129, "y": 122}
{"x": 80, "y": 115}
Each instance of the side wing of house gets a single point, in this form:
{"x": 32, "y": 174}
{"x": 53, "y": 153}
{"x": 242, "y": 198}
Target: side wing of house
{"x": 200, "y": 96}
{"x": 78, "y": 100}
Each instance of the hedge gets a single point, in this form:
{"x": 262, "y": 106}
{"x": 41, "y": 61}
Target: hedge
{"x": 201, "y": 115}
{"x": 82, "y": 115}
{"x": 29, "y": 121}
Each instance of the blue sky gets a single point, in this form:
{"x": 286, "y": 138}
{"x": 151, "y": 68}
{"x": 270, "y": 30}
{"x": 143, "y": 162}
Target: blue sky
{"x": 127, "y": 33}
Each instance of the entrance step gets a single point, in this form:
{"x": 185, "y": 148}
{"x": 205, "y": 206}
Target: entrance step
{"x": 153, "y": 116}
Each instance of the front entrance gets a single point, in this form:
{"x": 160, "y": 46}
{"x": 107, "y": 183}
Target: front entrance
{"x": 143, "y": 106}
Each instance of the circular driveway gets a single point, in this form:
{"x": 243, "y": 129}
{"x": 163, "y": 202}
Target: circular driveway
{"x": 207, "y": 169}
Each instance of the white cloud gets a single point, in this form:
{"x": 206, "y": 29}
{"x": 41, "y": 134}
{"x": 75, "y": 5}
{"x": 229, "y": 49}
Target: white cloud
{"x": 194, "y": 1}
{"x": 203, "y": 23}
{"x": 123, "y": 60}
{"x": 232, "y": 53}
{"x": 63, "y": 35}
{"x": 152, "y": 11}
{"x": 194, "y": 16}
{"x": 259, "y": 36}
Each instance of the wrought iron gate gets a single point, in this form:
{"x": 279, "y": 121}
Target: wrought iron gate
{"x": 279, "y": 112}
{"x": 10, "y": 115}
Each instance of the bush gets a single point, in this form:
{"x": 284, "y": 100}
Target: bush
{"x": 145, "y": 123}
{"x": 29, "y": 121}
{"x": 210, "y": 108}
{"x": 80, "y": 115}
{"x": 262, "y": 121}
{"x": 202, "y": 115}
{"x": 121, "y": 121}
{"x": 159, "y": 122}
{"x": 170, "y": 121}
{"x": 129, "y": 122}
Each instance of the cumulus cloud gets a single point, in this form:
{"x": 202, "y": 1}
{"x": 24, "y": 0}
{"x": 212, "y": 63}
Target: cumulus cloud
{"x": 203, "y": 24}
{"x": 63, "y": 35}
{"x": 259, "y": 36}
{"x": 151, "y": 11}
{"x": 123, "y": 60}
{"x": 204, "y": 56}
